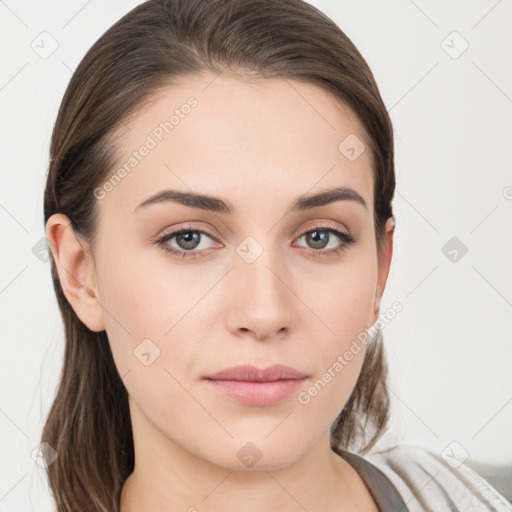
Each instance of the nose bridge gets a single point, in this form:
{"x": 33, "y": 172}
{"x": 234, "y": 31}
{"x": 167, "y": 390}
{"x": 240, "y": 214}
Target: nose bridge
{"x": 259, "y": 265}
{"x": 261, "y": 296}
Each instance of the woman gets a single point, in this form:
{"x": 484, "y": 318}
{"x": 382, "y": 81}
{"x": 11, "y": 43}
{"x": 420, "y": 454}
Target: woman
{"x": 219, "y": 209}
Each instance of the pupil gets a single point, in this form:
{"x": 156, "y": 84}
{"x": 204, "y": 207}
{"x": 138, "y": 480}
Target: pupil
{"x": 190, "y": 238}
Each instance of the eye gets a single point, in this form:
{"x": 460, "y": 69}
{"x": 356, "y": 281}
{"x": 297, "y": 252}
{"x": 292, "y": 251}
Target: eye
{"x": 320, "y": 236}
{"x": 188, "y": 239}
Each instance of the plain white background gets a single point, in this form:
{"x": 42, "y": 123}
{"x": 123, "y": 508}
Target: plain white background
{"x": 449, "y": 350}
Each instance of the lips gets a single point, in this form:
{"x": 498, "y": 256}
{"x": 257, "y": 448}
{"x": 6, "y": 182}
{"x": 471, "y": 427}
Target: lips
{"x": 250, "y": 373}
{"x": 252, "y": 386}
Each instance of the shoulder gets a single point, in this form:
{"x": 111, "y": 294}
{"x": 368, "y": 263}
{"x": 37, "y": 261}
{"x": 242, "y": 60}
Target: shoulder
{"x": 428, "y": 482}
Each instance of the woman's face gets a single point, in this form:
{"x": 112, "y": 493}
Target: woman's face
{"x": 266, "y": 283}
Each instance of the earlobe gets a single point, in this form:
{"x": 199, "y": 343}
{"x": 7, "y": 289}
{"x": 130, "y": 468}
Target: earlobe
{"x": 384, "y": 265}
{"x": 75, "y": 267}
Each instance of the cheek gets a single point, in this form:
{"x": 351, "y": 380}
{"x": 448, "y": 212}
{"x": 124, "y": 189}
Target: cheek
{"x": 151, "y": 317}
{"x": 342, "y": 304}
{"x": 148, "y": 329}
{"x": 343, "y": 308}
{"x": 142, "y": 298}
{"x": 134, "y": 303}
{"x": 340, "y": 358}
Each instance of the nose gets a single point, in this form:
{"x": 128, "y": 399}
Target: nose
{"x": 262, "y": 302}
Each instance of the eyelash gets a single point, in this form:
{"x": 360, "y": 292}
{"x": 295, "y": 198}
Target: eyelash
{"x": 346, "y": 238}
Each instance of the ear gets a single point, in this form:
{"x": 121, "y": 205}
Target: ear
{"x": 383, "y": 266}
{"x": 77, "y": 274}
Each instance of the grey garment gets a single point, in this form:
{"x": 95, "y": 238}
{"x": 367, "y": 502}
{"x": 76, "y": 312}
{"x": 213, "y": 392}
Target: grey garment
{"x": 426, "y": 479}
{"x": 383, "y": 491}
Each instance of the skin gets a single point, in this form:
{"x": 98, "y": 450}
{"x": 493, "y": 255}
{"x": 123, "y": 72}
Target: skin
{"x": 260, "y": 144}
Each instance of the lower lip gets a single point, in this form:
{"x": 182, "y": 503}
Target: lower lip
{"x": 257, "y": 393}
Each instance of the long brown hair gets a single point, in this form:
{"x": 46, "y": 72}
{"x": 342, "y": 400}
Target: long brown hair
{"x": 158, "y": 41}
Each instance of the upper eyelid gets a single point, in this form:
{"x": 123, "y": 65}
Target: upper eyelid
{"x": 186, "y": 228}
{"x": 326, "y": 225}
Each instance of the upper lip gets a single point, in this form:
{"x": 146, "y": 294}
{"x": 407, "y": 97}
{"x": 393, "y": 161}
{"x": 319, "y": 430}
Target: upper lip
{"x": 251, "y": 373}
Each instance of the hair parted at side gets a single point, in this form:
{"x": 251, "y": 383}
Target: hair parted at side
{"x": 145, "y": 51}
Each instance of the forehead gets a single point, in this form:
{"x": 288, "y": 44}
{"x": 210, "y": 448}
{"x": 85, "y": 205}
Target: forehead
{"x": 221, "y": 135}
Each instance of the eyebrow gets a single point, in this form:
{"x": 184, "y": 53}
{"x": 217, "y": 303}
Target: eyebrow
{"x": 219, "y": 205}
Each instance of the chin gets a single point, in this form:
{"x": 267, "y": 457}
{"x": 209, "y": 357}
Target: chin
{"x": 258, "y": 454}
